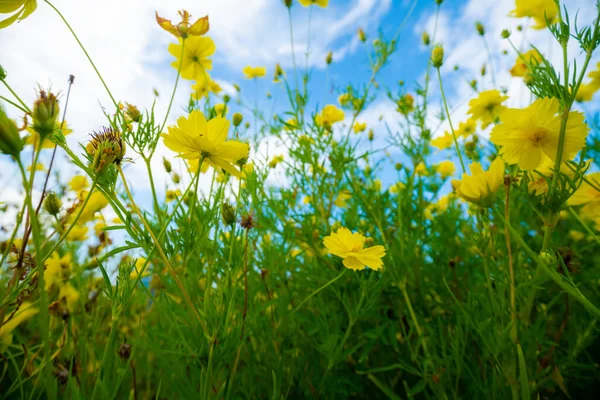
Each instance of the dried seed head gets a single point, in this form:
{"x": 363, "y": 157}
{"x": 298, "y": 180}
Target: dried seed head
{"x": 247, "y": 221}
{"x": 125, "y": 351}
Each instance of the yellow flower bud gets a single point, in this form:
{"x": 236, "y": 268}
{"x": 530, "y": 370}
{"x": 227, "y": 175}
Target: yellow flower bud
{"x": 237, "y": 119}
{"x": 437, "y": 56}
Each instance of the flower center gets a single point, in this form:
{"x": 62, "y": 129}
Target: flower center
{"x": 537, "y": 138}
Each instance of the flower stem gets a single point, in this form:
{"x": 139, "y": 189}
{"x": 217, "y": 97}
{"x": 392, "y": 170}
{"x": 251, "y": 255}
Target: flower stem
{"x": 462, "y": 164}
{"x": 162, "y": 253}
{"x": 27, "y": 109}
{"x": 174, "y": 87}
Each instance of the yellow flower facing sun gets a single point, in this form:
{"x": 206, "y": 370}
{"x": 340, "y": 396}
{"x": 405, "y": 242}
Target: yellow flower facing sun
{"x": 480, "y": 186}
{"x": 539, "y": 10}
{"x": 529, "y": 135}
{"x": 487, "y": 107}
{"x": 184, "y": 28}
{"x": 524, "y": 63}
{"x": 254, "y": 72}
{"x": 196, "y": 138}
{"x": 21, "y": 9}
{"x": 320, "y": 3}
{"x": 445, "y": 169}
{"x": 443, "y": 142}
{"x": 351, "y": 248}
{"x": 329, "y": 116}
{"x": 196, "y": 57}
{"x": 588, "y": 196}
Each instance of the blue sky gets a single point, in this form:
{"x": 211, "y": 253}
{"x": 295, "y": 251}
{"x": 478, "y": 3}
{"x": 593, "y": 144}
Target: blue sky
{"x": 131, "y": 52}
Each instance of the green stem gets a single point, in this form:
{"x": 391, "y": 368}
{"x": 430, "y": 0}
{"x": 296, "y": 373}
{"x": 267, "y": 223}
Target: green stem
{"x": 293, "y": 51}
{"x": 27, "y": 109}
{"x": 175, "y": 87}
{"x": 162, "y": 253}
{"x": 462, "y": 164}
{"x": 77, "y": 216}
{"x": 106, "y": 356}
{"x": 153, "y": 188}
{"x": 86, "y": 54}
{"x": 581, "y": 221}
{"x": 13, "y": 104}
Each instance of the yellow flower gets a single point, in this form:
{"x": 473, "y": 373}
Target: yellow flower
{"x": 329, "y": 116}
{"x": 320, "y": 3}
{"x": 276, "y": 160}
{"x": 421, "y": 169}
{"x": 350, "y": 247}
{"x": 204, "y": 87}
{"x": 38, "y": 167}
{"x": 79, "y": 183}
{"x": 586, "y": 91}
{"x": 291, "y": 124}
{"x": 78, "y": 233}
{"x": 196, "y": 57}
{"x": 359, "y": 127}
{"x": 58, "y": 269}
{"x": 22, "y": 7}
{"x": 221, "y": 109}
{"x": 173, "y": 195}
{"x": 340, "y": 200}
{"x": 487, "y": 107}
{"x": 70, "y": 295}
{"x": 524, "y": 62}
{"x": 438, "y": 208}
{"x": 445, "y": 168}
{"x": 33, "y": 137}
{"x": 25, "y": 312}
{"x": 96, "y": 203}
{"x": 254, "y": 72}
{"x": 443, "y": 142}
{"x": 480, "y": 186}
{"x": 184, "y": 28}
{"x": 539, "y": 10}
{"x": 588, "y": 196}
{"x": 530, "y": 134}
{"x": 195, "y": 138}
{"x": 344, "y": 98}
{"x": 139, "y": 264}
{"x": 397, "y": 187}
{"x": 467, "y": 128}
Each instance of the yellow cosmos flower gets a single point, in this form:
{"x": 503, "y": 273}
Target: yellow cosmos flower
{"x": 344, "y": 98}
{"x": 539, "y": 10}
{"x": 21, "y": 9}
{"x": 527, "y": 135}
{"x": 480, "y": 186}
{"x": 467, "y": 128}
{"x": 184, "y": 28}
{"x": 421, "y": 169}
{"x": 443, "y": 142}
{"x": 25, "y": 312}
{"x": 173, "y": 195}
{"x": 275, "y": 160}
{"x": 359, "y": 127}
{"x": 586, "y": 91}
{"x": 58, "y": 269}
{"x": 588, "y": 196}
{"x": 524, "y": 62}
{"x": 329, "y": 116}
{"x": 397, "y": 187}
{"x": 33, "y": 137}
{"x": 196, "y": 57}
{"x": 96, "y": 203}
{"x": 340, "y": 200}
{"x": 204, "y": 87}
{"x": 487, "y": 107}
{"x": 70, "y": 295}
{"x": 195, "y": 138}
{"x": 350, "y": 247}
{"x": 320, "y": 3}
{"x": 79, "y": 183}
{"x": 254, "y": 72}
{"x": 137, "y": 269}
{"x": 445, "y": 168}
{"x": 78, "y": 234}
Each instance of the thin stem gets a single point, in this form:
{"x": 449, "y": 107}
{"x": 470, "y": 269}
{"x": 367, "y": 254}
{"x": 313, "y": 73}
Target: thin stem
{"x": 582, "y": 222}
{"x": 513, "y": 301}
{"x": 293, "y": 50}
{"x": 77, "y": 216}
{"x": 86, "y": 54}
{"x": 162, "y": 253}
{"x": 413, "y": 316}
{"x": 462, "y": 164}
{"x": 175, "y": 87}
{"x": 27, "y": 109}
{"x": 13, "y": 104}
{"x": 153, "y": 188}
{"x": 490, "y": 60}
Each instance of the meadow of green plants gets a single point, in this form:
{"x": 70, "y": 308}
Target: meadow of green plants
{"x": 474, "y": 277}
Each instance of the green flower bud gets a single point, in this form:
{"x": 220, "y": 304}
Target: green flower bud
{"x": 480, "y": 28}
{"x": 2, "y": 73}
{"x": 167, "y": 165}
{"x": 505, "y": 34}
{"x": 52, "y": 204}
{"x": 228, "y": 213}
{"x": 288, "y": 3}
{"x": 45, "y": 113}
{"x": 426, "y": 39}
{"x": 329, "y": 58}
{"x": 10, "y": 141}
{"x": 237, "y": 119}
{"x": 106, "y": 147}
{"x": 437, "y": 56}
